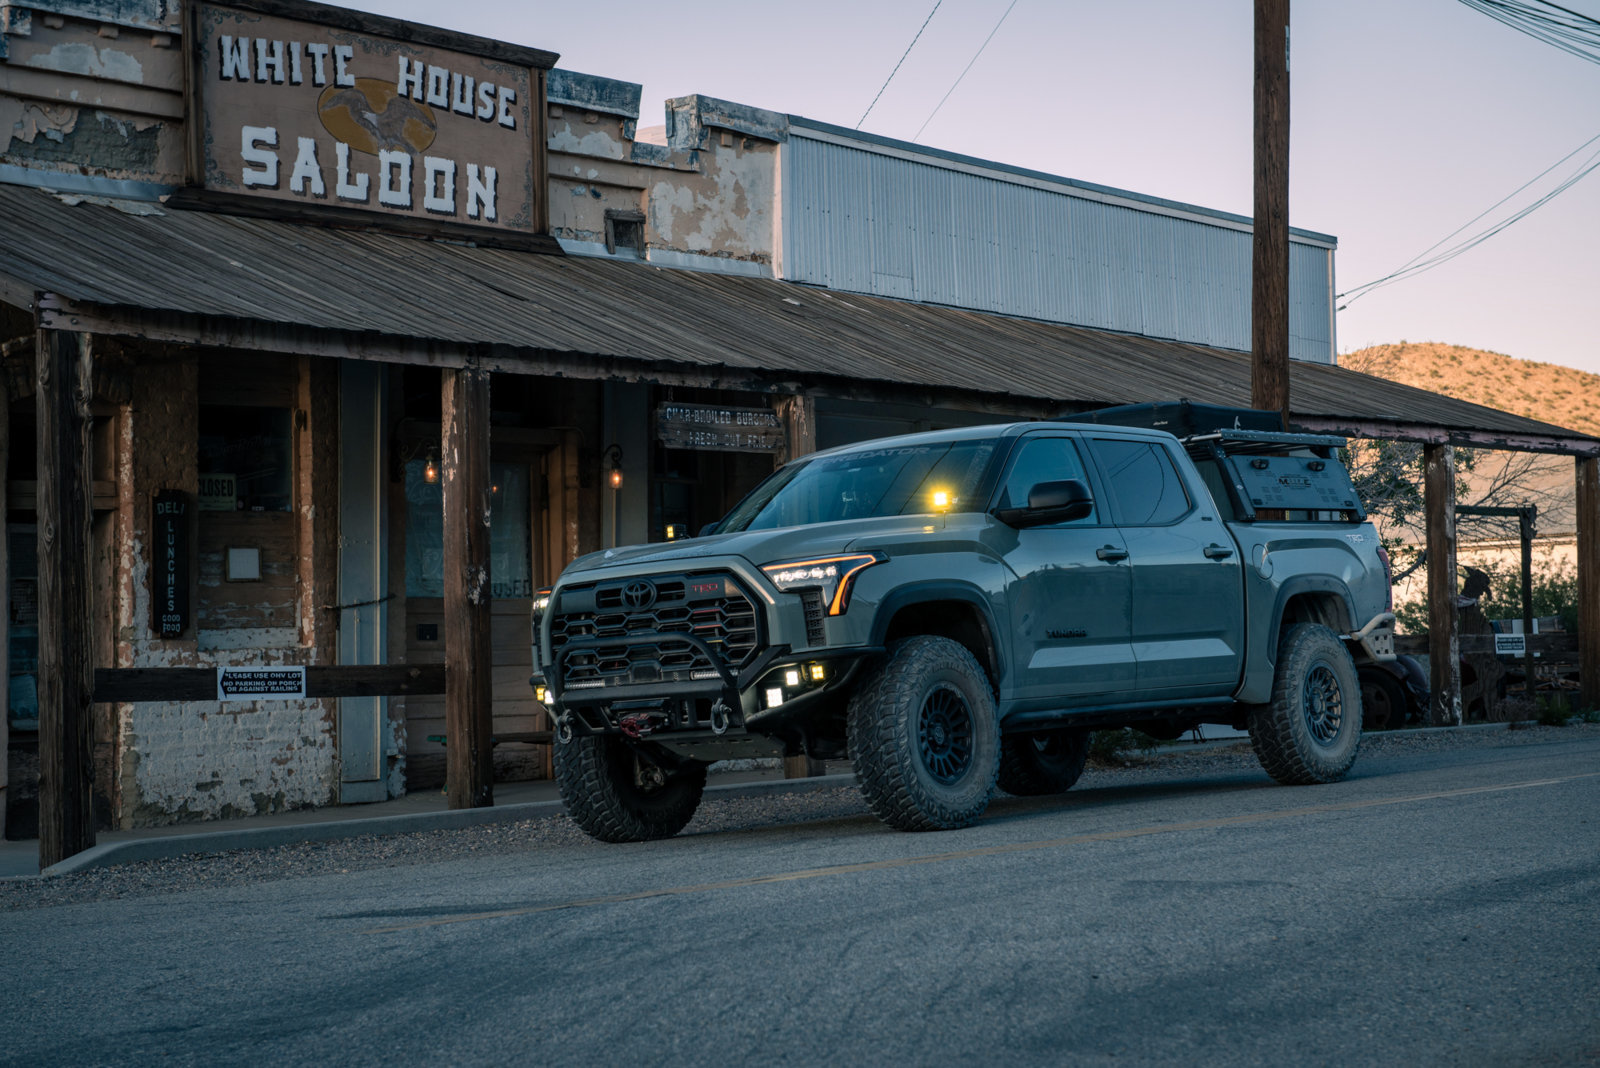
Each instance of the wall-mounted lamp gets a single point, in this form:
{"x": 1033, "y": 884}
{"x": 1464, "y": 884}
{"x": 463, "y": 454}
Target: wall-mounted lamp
{"x": 430, "y": 467}
{"x": 613, "y": 455}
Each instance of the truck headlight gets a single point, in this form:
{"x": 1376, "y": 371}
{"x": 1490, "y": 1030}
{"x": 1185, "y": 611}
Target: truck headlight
{"x": 833, "y": 575}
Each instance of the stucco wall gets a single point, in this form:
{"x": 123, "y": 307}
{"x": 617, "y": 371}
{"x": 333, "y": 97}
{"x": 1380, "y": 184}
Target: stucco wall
{"x": 86, "y": 95}
{"x": 706, "y": 181}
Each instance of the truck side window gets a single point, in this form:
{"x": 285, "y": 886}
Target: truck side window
{"x": 1043, "y": 460}
{"x": 1145, "y": 487}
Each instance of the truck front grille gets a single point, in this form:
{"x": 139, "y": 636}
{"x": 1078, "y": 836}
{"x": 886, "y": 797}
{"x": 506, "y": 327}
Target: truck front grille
{"x": 713, "y": 608}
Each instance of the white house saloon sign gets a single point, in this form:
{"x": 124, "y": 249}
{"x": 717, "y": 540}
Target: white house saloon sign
{"x": 328, "y": 112}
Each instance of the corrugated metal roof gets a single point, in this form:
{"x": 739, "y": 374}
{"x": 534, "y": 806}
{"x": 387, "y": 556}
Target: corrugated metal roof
{"x": 369, "y": 282}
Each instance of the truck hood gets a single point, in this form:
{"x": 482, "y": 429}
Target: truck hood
{"x": 768, "y": 546}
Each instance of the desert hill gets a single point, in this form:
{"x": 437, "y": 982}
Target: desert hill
{"x": 1547, "y": 392}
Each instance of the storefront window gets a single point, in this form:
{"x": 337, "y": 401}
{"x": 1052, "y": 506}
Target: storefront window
{"x": 246, "y": 461}
{"x": 510, "y": 537}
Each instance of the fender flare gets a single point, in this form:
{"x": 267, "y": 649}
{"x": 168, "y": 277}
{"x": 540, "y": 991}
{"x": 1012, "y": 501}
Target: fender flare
{"x": 1302, "y": 584}
{"x": 931, "y": 590}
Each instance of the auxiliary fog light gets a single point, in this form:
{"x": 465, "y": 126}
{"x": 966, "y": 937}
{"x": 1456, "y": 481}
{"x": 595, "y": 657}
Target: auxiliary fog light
{"x": 818, "y": 672}
{"x": 774, "y": 697}
{"x": 541, "y": 695}
{"x": 791, "y": 678}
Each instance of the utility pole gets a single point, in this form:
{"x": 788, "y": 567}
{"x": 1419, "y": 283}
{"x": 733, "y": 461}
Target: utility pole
{"x": 1269, "y": 266}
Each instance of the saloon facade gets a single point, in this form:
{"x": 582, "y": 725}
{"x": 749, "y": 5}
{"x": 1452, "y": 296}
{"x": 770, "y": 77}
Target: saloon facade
{"x": 369, "y": 328}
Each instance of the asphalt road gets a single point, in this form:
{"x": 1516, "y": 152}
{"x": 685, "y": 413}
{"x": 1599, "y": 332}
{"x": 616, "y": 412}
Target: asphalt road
{"x": 1434, "y": 908}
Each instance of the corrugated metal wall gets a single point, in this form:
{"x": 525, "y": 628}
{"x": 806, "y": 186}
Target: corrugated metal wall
{"x": 863, "y": 220}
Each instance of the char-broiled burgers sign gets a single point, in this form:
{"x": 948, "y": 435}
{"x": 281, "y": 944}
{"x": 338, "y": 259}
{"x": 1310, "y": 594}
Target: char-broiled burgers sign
{"x": 327, "y": 112}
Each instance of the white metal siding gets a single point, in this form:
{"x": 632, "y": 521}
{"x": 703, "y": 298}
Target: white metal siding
{"x": 871, "y": 222}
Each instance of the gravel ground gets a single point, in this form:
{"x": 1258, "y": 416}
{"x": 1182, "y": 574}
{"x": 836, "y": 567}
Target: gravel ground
{"x": 202, "y": 871}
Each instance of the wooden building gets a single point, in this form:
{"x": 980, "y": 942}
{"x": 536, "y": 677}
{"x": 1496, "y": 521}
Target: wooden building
{"x": 325, "y": 336}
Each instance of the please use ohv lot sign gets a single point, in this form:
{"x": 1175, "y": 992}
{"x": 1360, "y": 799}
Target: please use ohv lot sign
{"x": 261, "y": 683}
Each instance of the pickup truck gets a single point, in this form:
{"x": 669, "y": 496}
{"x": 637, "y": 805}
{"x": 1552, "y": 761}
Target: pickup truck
{"x": 957, "y": 610}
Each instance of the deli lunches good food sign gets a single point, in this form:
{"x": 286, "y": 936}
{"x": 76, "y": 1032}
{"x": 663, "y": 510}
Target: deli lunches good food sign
{"x": 320, "y": 114}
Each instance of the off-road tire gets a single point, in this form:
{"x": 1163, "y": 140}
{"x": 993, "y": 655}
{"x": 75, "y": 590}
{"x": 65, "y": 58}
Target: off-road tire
{"x": 1038, "y": 763}
{"x": 925, "y": 736}
{"x": 597, "y": 775}
{"x": 1312, "y": 729}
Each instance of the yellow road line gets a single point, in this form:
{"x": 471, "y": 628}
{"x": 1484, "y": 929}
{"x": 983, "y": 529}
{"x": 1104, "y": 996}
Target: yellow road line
{"x": 969, "y": 854}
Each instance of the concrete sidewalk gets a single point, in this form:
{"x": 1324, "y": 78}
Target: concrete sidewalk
{"x": 422, "y": 810}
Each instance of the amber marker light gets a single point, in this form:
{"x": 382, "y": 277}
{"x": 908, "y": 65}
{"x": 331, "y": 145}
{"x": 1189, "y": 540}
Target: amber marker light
{"x": 941, "y": 500}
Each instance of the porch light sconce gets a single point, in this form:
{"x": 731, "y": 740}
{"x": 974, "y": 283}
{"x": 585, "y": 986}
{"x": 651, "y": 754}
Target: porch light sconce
{"x": 613, "y": 454}
{"x": 430, "y": 467}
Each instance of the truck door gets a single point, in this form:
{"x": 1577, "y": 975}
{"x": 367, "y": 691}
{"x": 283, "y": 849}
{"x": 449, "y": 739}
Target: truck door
{"x": 1069, "y": 601}
{"x": 1188, "y": 594}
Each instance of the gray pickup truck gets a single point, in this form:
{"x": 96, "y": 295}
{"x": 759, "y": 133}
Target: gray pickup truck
{"x": 957, "y": 610}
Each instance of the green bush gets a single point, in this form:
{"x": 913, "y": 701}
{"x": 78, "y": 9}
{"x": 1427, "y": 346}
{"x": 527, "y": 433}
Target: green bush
{"x": 1108, "y": 747}
{"x": 1552, "y": 711}
{"x": 1555, "y": 593}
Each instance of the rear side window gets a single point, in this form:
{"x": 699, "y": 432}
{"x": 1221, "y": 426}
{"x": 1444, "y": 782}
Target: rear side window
{"x": 1145, "y": 487}
{"x": 1039, "y": 460}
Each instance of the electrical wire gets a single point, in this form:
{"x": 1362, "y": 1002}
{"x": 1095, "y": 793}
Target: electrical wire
{"x": 896, "y": 70}
{"x": 968, "y": 67}
{"x": 1418, "y": 265}
{"x": 1571, "y": 31}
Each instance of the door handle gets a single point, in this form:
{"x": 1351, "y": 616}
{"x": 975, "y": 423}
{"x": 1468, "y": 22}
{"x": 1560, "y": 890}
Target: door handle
{"x": 1217, "y": 552}
{"x": 1111, "y": 552}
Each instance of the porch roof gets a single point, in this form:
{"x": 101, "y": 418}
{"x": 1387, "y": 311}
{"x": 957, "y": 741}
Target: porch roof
{"x": 140, "y": 269}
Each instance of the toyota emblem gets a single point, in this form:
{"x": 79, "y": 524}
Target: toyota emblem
{"x": 639, "y": 594}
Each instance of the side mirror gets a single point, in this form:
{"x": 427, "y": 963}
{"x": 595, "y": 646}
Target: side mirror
{"x": 709, "y": 528}
{"x": 1050, "y": 502}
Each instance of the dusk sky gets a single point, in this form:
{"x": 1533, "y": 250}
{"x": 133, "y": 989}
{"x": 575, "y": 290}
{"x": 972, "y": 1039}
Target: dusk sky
{"x": 1410, "y": 117}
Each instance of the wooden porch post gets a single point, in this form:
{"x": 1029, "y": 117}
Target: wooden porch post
{"x": 1589, "y": 581}
{"x": 66, "y": 649}
{"x": 799, "y": 417}
{"x": 5, "y": 605}
{"x": 1444, "y": 644}
{"x": 468, "y": 700}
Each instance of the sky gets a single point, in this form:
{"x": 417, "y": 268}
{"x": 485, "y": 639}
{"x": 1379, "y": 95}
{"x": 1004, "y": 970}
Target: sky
{"x": 1408, "y": 119}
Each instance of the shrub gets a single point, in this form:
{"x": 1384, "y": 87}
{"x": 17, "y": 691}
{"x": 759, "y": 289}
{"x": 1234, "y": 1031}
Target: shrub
{"x": 1107, "y": 747}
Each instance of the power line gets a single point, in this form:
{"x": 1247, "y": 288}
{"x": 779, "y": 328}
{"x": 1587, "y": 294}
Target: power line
{"x": 896, "y": 70}
{"x": 1418, "y": 265}
{"x": 968, "y": 67}
{"x": 1571, "y": 31}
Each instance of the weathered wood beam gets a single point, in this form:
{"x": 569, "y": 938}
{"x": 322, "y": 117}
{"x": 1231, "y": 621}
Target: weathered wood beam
{"x": 66, "y": 635}
{"x": 1269, "y": 265}
{"x": 1589, "y": 581}
{"x": 798, "y": 414}
{"x": 200, "y": 684}
{"x": 1352, "y": 427}
{"x": 226, "y": 333}
{"x": 5, "y": 607}
{"x": 1444, "y": 644}
{"x": 468, "y": 701}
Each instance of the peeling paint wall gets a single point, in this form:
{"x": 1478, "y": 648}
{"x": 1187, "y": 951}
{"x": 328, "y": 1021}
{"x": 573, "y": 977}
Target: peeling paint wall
{"x": 93, "y": 89}
{"x": 706, "y": 182}
{"x": 204, "y": 760}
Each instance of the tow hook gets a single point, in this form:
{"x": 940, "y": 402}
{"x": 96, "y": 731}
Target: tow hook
{"x": 719, "y": 717}
{"x": 563, "y": 725}
{"x": 636, "y": 725}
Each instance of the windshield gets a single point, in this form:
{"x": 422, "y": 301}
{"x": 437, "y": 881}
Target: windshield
{"x": 939, "y": 476}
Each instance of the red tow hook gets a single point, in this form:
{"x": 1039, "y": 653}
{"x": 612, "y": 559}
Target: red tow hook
{"x": 636, "y": 725}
